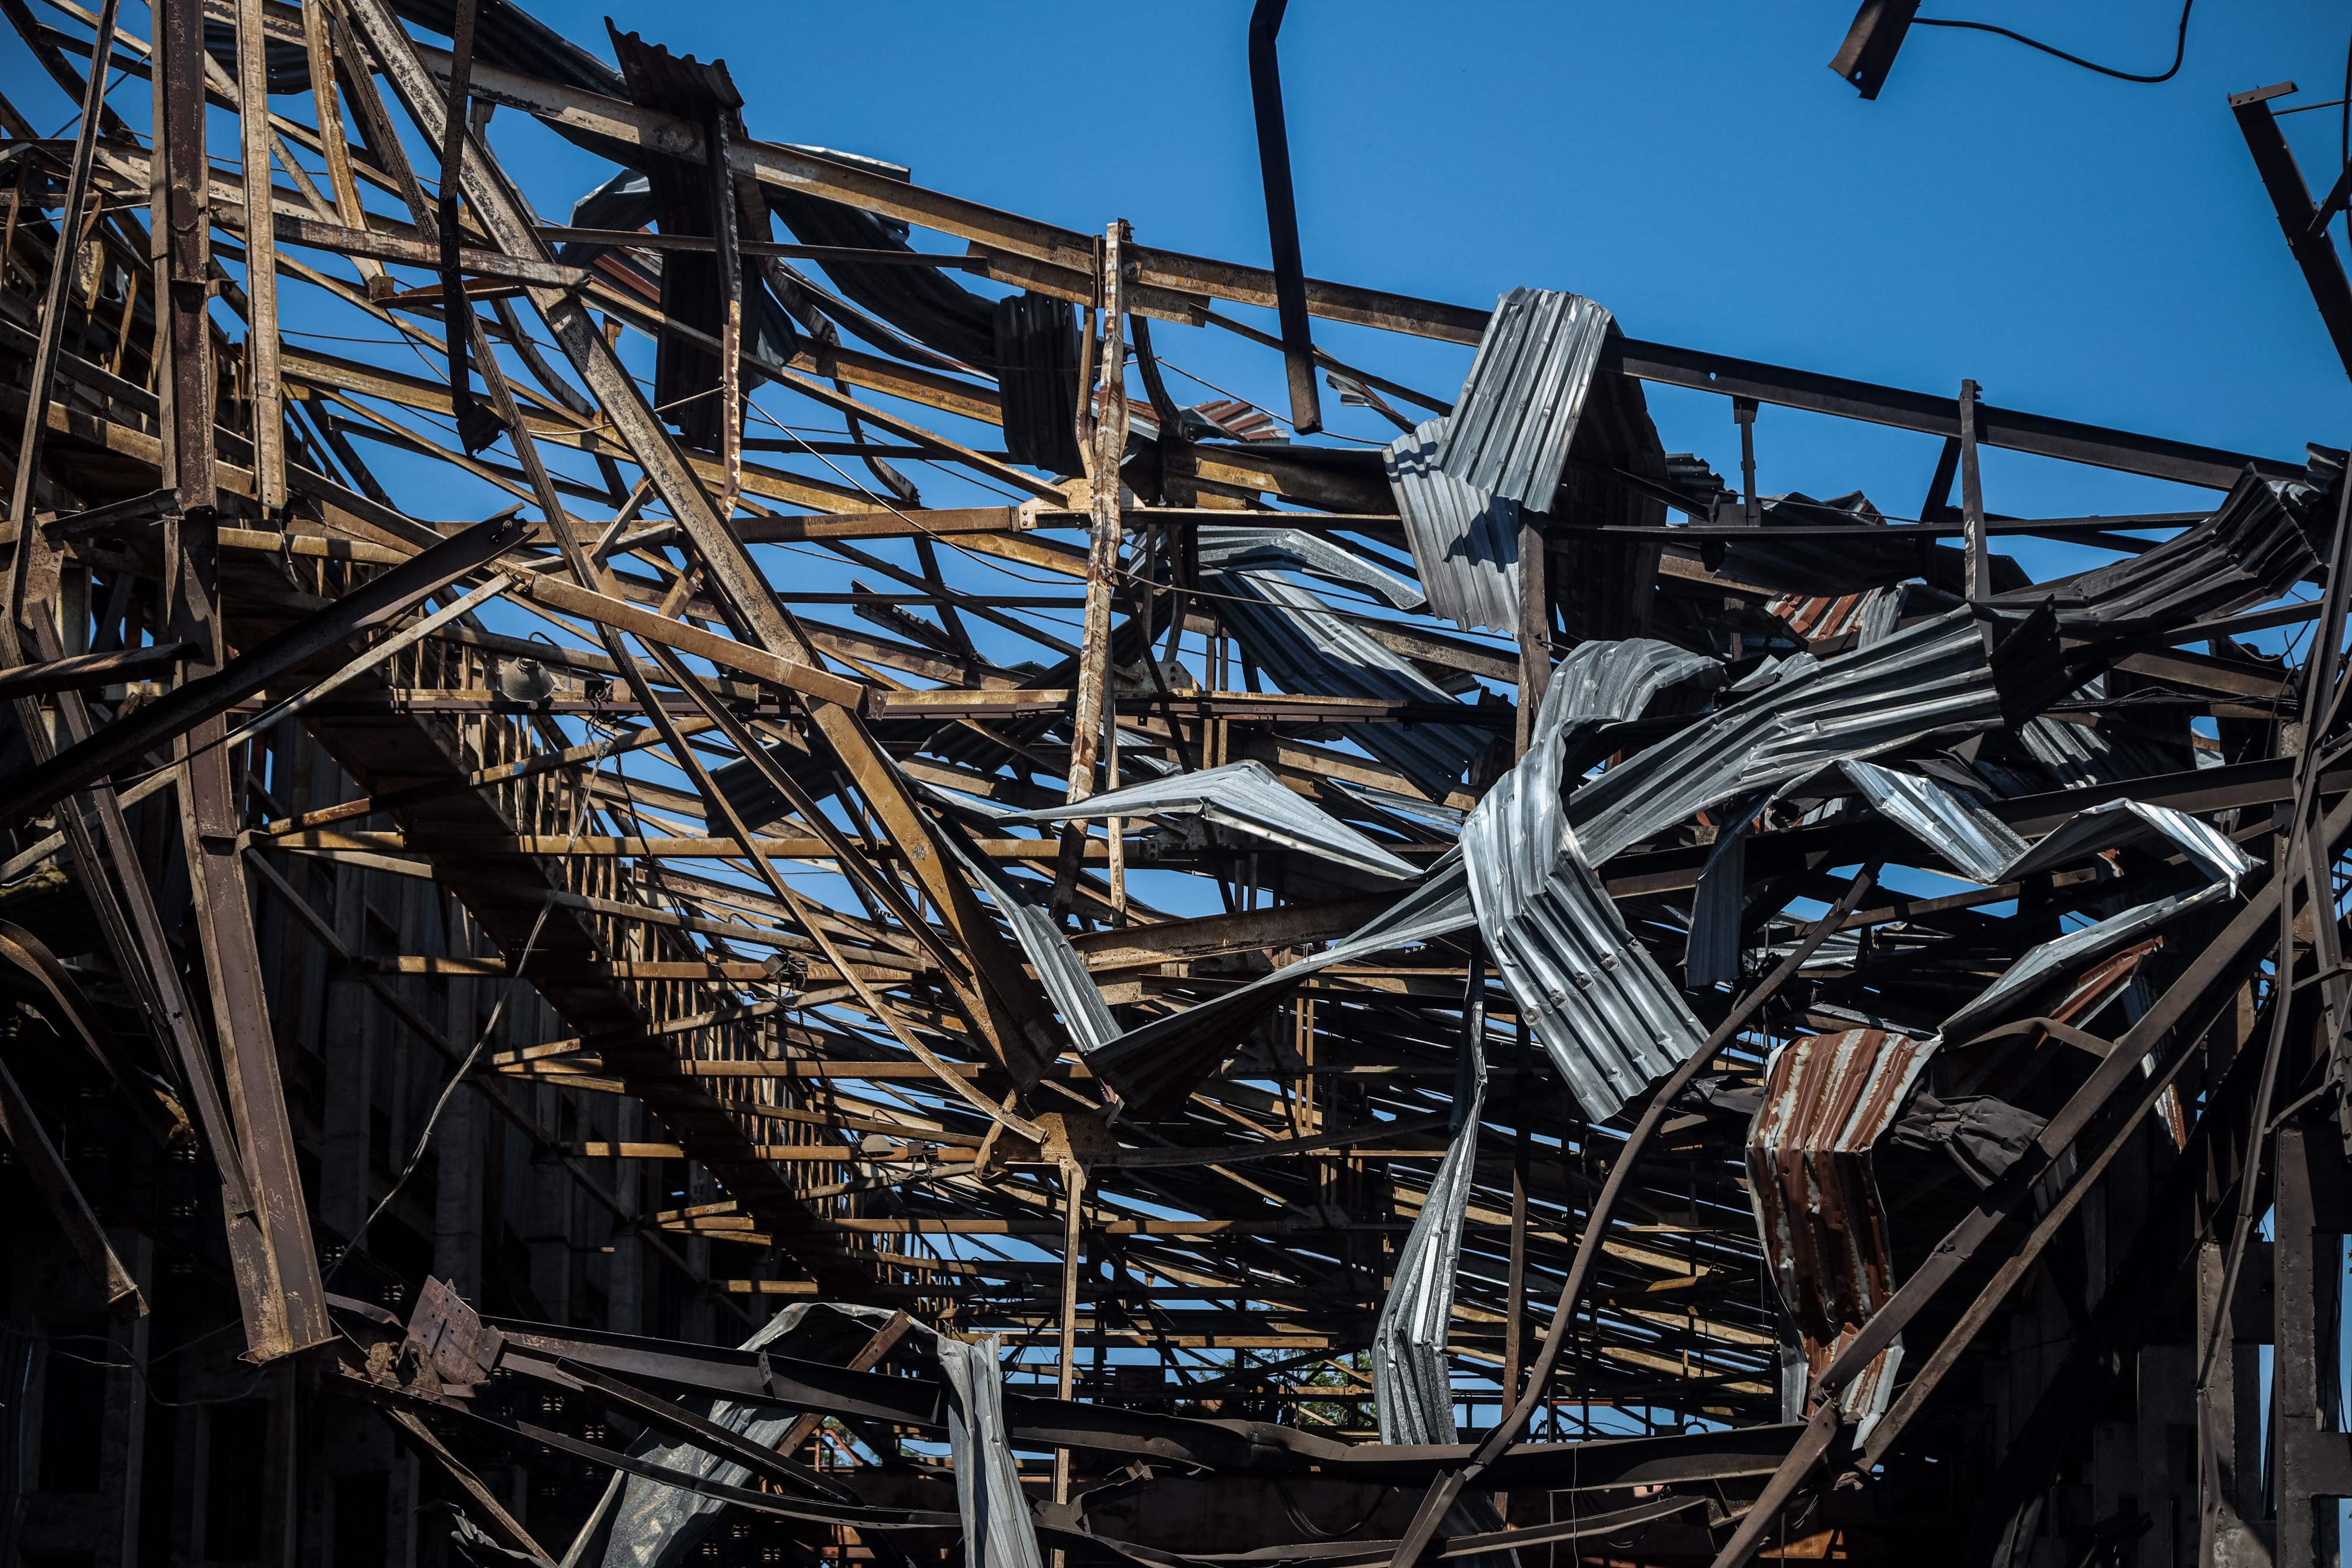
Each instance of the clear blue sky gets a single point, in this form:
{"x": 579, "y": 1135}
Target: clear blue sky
{"x": 2082, "y": 247}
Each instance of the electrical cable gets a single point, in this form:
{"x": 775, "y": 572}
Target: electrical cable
{"x": 2179, "y": 47}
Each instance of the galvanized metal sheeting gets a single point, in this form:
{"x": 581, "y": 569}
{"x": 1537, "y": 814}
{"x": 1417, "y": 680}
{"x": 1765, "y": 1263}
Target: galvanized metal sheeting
{"x": 1983, "y": 848}
{"x": 1465, "y": 542}
{"x": 1511, "y": 428}
{"x": 1244, "y": 797}
{"x": 1409, "y": 1385}
{"x": 1827, "y": 1102}
{"x": 998, "y": 1531}
{"x": 2251, "y": 549}
{"x": 1976, "y": 843}
{"x": 1295, "y": 639}
{"x": 2121, "y": 822}
{"x": 1606, "y": 1014}
{"x": 1931, "y": 677}
{"x": 2008, "y": 996}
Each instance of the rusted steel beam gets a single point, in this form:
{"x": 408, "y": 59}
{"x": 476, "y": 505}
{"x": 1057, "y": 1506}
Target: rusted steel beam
{"x": 1281, "y": 214}
{"x": 209, "y": 694}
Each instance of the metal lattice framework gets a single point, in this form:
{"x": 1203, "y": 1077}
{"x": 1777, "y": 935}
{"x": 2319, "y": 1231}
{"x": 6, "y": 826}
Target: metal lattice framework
{"x": 1148, "y": 911}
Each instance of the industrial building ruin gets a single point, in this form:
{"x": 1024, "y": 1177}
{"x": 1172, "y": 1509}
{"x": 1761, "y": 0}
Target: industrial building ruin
{"x": 1213, "y": 995}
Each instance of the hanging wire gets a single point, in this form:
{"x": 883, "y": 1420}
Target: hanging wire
{"x": 2179, "y": 46}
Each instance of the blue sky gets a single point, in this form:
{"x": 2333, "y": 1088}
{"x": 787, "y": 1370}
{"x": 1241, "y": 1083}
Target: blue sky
{"x": 2082, "y": 247}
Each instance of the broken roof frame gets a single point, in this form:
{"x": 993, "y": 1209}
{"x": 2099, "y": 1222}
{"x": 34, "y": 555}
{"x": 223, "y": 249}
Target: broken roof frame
{"x": 1096, "y": 1066}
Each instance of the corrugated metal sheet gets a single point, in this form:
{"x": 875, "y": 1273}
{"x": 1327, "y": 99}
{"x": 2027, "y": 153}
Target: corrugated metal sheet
{"x": 1828, "y": 1101}
{"x": 1606, "y": 1014}
{"x": 1243, "y": 798}
{"x": 1517, "y": 416}
{"x": 1976, "y": 842}
{"x": 1818, "y": 617}
{"x": 1610, "y": 682}
{"x": 1060, "y": 970}
{"x": 1151, "y": 1069}
{"x": 1410, "y": 1389}
{"x": 1464, "y": 542}
{"x": 997, "y": 1530}
{"x": 2011, "y": 994}
{"x": 2251, "y": 549}
{"x": 1721, "y": 898}
{"x": 1934, "y": 677}
{"x": 1294, "y": 636}
{"x": 1254, "y": 550}
{"x": 1409, "y": 1385}
{"x": 1038, "y": 381}
{"x": 1984, "y": 849}
{"x": 2118, "y": 823}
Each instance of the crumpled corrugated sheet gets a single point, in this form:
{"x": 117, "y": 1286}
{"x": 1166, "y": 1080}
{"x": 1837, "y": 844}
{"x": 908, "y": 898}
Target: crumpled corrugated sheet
{"x": 1243, "y": 798}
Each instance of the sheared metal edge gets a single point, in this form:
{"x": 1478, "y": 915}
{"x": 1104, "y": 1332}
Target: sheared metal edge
{"x": 2120, "y": 822}
{"x": 1059, "y": 968}
{"x": 1150, "y": 1068}
{"x": 2073, "y": 950}
{"x": 1984, "y": 848}
{"x": 1246, "y": 798}
{"x": 1978, "y": 843}
{"x": 1606, "y": 1014}
{"x": 1934, "y": 677}
{"x": 1410, "y": 1389}
{"x": 656, "y": 1525}
{"x": 1721, "y": 897}
{"x": 1297, "y": 639}
{"x": 2249, "y": 550}
{"x": 1512, "y": 426}
{"x": 1828, "y": 1101}
{"x": 1465, "y": 542}
{"x": 997, "y": 1530}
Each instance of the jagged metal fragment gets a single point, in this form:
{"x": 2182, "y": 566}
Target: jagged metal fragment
{"x": 1604, "y": 1011}
{"x": 1827, "y": 1102}
{"x": 1243, "y": 798}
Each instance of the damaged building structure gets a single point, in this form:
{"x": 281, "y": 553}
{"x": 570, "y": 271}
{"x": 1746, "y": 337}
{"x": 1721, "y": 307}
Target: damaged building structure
{"x": 1499, "y": 996}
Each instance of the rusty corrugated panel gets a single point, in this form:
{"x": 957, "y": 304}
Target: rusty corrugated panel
{"x": 1828, "y": 1101}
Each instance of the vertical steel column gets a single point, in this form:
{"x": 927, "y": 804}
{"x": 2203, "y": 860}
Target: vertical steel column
{"x": 260, "y": 263}
{"x": 276, "y": 1269}
{"x": 1106, "y": 444}
{"x": 1281, "y": 214}
{"x": 1972, "y": 514}
{"x": 720, "y": 177}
